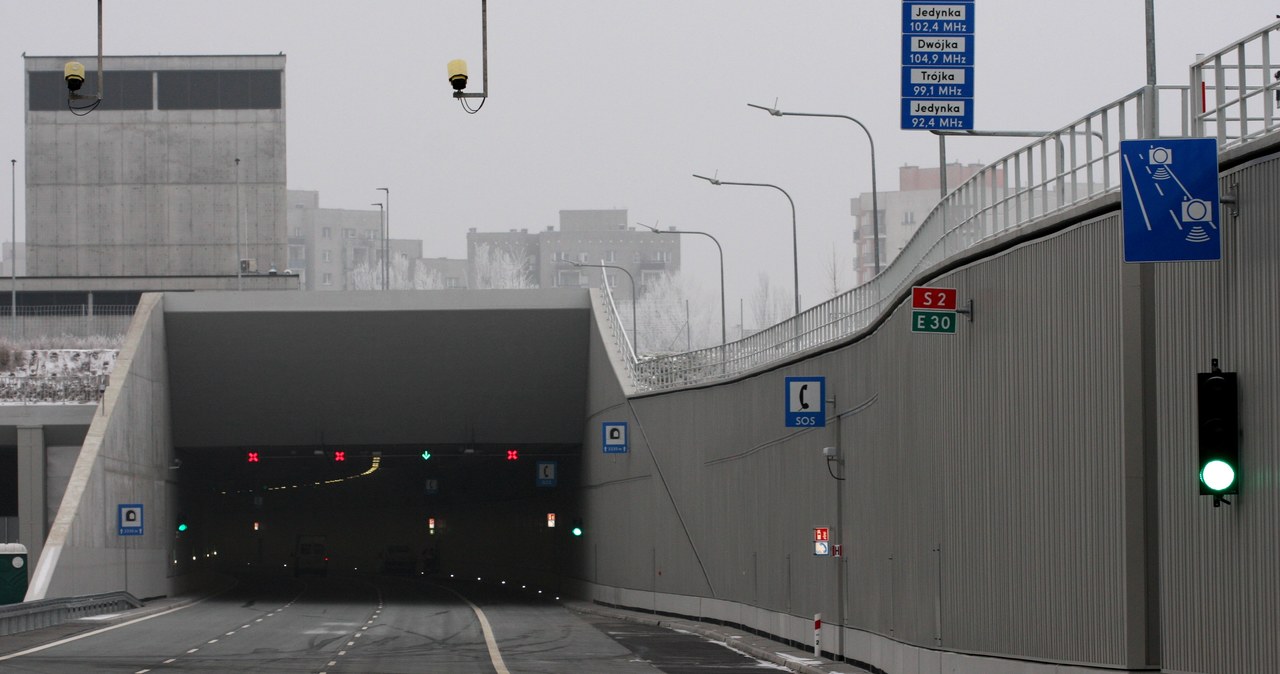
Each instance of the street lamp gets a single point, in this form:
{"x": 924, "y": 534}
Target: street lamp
{"x": 381, "y": 211}
{"x": 13, "y": 241}
{"x": 386, "y": 241}
{"x": 239, "y": 255}
{"x": 795, "y": 252}
{"x": 635, "y": 340}
{"x": 875, "y": 205}
{"x": 655, "y": 230}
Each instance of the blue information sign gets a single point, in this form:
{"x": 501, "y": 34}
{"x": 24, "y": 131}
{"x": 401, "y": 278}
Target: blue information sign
{"x": 937, "y": 18}
{"x": 547, "y": 473}
{"x": 614, "y": 437}
{"x": 129, "y": 519}
{"x": 950, "y": 113}
{"x": 937, "y": 64}
{"x": 928, "y": 82}
{"x": 806, "y": 402}
{"x": 937, "y": 50}
{"x": 1170, "y": 201}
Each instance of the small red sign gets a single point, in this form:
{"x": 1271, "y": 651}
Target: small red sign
{"x": 821, "y": 534}
{"x": 923, "y": 297}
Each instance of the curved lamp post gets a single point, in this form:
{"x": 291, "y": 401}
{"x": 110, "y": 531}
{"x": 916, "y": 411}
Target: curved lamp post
{"x": 386, "y": 240}
{"x": 635, "y": 340}
{"x": 795, "y": 253}
{"x": 875, "y": 205}
{"x": 655, "y": 230}
{"x": 381, "y": 214}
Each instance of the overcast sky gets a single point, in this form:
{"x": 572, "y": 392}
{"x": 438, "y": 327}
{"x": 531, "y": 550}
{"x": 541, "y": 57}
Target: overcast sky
{"x": 612, "y": 104}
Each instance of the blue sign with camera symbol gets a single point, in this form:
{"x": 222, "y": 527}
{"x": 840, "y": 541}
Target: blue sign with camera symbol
{"x": 1170, "y": 201}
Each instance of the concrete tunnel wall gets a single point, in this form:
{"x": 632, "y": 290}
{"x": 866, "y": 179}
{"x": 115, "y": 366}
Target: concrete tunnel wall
{"x": 1019, "y": 496}
{"x": 125, "y": 459}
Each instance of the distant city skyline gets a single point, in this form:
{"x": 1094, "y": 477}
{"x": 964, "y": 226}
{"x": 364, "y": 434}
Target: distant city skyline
{"x": 613, "y": 105}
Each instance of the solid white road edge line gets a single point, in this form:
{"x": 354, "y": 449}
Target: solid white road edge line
{"x": 495, "y": 656}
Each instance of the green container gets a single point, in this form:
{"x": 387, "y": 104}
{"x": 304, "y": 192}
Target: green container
{"x": 13, "y": 573}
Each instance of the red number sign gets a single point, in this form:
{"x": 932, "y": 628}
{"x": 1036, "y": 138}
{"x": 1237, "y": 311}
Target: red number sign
{"x": 933, "y": 298}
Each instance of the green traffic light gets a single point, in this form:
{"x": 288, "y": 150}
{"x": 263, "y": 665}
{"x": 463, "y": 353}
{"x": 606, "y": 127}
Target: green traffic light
{"x": 577, "y": 531}
{"x": 182, "y": 527}
{"x": 1218, "y": 475}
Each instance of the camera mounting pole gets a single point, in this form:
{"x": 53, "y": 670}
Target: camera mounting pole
{"x": 484, "y": 55}
{"x": 99, "y": 50}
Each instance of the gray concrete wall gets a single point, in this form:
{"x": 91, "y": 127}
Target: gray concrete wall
{"x": 125, "y": 459}
{"x": 155, "y": 192}
{"x": 1008, "y": 494}
{"x": 43, "y": 435}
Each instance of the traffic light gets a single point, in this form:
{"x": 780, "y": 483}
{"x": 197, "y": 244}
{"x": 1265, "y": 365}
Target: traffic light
{"x": 1218, "y": 417}
{"x": 182, "y": 523}
{"x": 339, "y": 456}
{"x": 513, "y": 455}
{"x": 253, "y": 457}
{"x": 577, "y": 529}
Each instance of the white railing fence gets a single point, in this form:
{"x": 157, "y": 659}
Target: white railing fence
{"x": 1235, "y": 90}
{"x": 1070, "y": 166}
{"x": 59, "y": 322}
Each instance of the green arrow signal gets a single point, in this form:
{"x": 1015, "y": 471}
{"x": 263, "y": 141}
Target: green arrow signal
{"x": 426, "y": 455}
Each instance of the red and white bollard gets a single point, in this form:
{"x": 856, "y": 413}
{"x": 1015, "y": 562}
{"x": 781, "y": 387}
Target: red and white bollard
{"x": 817, "y": 634}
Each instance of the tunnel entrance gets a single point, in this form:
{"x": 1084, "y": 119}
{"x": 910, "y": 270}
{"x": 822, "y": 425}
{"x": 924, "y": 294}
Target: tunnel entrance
{"x": 444, "y": 509}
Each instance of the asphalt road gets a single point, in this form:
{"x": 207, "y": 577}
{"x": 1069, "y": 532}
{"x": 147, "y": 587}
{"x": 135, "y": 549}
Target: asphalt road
{"x": 365, "y": 624}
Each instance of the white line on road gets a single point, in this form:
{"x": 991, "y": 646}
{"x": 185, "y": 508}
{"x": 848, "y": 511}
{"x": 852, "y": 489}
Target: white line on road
{"x": 78, "y": 637}
{"x": 495, "y": 656}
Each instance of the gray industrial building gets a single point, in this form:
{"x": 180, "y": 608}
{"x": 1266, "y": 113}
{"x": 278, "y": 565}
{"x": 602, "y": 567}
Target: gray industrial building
{"x": 901, "y": 213}
{"x": 148, "y": 183}
{"x": 341, "y": 249}
{"x": 589, "y": 237}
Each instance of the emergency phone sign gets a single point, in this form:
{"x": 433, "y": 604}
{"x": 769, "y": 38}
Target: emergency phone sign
{"x": 806, "y": 402}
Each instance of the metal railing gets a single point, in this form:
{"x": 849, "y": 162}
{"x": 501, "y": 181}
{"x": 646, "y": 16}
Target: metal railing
{"x": 33, "y": 615}
{"x": 615, "y": 328}
{"x": 65, "y": 321}
{"x": 1230, "y": 96}
{"x": 1236, "y": 88}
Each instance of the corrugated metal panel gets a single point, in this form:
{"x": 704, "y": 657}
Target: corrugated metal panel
{"x": 1221, "y": 583}
{"x": 985, "y": 506}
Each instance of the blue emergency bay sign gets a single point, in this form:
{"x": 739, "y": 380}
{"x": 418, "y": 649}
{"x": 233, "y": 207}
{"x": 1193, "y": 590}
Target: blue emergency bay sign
{"x": 614, "y": 437}
{"x": 1170, "y": 201}
{"x": 129, "y": 519}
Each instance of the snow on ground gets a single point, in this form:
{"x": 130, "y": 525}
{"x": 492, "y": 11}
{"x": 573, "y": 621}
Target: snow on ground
{"x": 72, "y": 376}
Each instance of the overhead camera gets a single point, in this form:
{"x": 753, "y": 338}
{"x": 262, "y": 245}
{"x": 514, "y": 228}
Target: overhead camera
{"x": 458, "y": 74}
{"x": 1161, "y": 156}
{"x": 73, "y": 73}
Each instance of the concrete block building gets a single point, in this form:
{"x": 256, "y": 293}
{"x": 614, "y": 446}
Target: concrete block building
{"x": 147, "y": 184}
{"x": 586, "y": 237}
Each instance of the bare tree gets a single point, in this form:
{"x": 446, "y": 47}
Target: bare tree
{"x": 365, "y": 276}
{"x": 495, "y": 267}
{"x": 834, "y": 273}
{"x": 768, "y": 307}
{"x": 673, "y": 314}
{"x": 424, "y": 280}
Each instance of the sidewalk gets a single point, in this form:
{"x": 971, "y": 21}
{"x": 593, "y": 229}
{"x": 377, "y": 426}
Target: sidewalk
{"x": 776, "y": 652}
